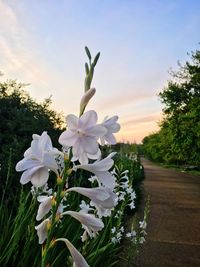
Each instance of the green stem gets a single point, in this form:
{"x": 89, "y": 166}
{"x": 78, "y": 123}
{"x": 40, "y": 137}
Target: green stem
{"x": 58, "y": 200}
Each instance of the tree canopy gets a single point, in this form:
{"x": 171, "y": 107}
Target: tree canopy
{"x": 20, "y": 117}
{"x": 178, "y": 140}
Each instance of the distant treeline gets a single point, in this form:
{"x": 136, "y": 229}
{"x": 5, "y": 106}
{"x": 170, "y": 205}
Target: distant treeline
{"x": 178, "y": 140}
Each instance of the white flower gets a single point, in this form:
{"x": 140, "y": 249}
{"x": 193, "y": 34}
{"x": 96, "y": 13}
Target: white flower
{"x": 132, "y": 205}
{"x": 89, "y": 222}
{"x": 113, "y": 230}
{"x": 128, "y": 235}
{"x": 102, "y": 198}
{"x": 78, "y": 259}
{"x": 38, "y": 159}
{"x": 112, "y": 127}
{"x": 119, "y": 236}
{"x": 44, "y": 207}
{"x": 143, "y": 224}
{"x": 82, "y": 136}
{"x": 142, "y": 240}
{"x": 100, "y": 169}
{"x": 133, "y": 195}
{"x": 42, "y": 230}
{"x": 129, "y": 190}
{"x": 92, "y": 179}
{"x": 114, "y": 240}
{"x": 85, "y": 208}
{"x": 122, "y": 229}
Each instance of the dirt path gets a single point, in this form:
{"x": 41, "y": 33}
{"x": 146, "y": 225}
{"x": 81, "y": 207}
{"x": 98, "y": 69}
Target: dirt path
{"x": 174, "y": 222}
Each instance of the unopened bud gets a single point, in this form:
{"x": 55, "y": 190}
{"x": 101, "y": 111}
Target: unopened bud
{"x": 49, "y": 225}
{"x": 69, "y": 172}
{"x": 53, "y": 202}
{"x": 86, "y": 98}
{"x": 59, "y": 180}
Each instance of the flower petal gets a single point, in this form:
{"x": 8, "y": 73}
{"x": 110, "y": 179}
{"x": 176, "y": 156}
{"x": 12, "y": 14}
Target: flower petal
{"x": 97, "y": 131}
{"x": 106, "y": 178}
{"x": 110, "y": 139}
{"x": 92, "y": 193}
{"x": 83, "y": 158}
{"x": 89, "y": 145}
{"x": 40, "y": 177}
{"x": 49, "y": 161}
{"x": 44, "y": 208}
{"x": 88, "y": 119}
{"x": 89, "y": 220}
{"x": 42, "y": 231}
{"x": 114, "y": 128}
{"x": 44, "y": 142}
{"x": 68, "y": 138}
{"x": 78, "y": 259}
{"x": 72, "y": 122}
{"x": 26, "y": 176}
{"x": 25, "y": 164}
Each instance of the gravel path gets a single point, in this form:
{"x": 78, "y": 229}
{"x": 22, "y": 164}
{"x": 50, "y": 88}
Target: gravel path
{"x": 174, "y": 221}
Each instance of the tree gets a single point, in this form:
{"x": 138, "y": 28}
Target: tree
{"x": 20, "y": 117}
{"x": 180, "y": 128}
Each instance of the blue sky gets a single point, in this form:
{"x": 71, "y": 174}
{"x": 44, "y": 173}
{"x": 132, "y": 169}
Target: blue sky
{"x": 42, "y": 43}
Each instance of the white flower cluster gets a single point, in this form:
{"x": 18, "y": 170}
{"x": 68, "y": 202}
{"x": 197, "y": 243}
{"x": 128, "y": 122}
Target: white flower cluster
{"x": 125, "y": 191}
{"x": 117, "y": 234}
{"x": 81, "y": 150}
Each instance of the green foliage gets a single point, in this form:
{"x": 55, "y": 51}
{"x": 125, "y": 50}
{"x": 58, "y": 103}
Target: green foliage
{"x": 19, "y": 243}
{"x": 178, "y": 140}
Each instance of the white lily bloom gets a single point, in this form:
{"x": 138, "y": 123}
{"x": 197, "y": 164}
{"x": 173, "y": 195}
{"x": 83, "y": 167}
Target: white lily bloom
{"x": 100, "y": 169}
{"x": 42, "y": 230}
{"x": 78, "y": 259}
{"x": 44, "y": 207}
{"x": 103, "y": 198}
{"x": 112, "y": 127}
{"x": 82, "y": 136}
{"x": 89, "y": 222}
{"x": 38, "y": 159}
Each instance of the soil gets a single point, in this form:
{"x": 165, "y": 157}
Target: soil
{"x": 174, "y": 222}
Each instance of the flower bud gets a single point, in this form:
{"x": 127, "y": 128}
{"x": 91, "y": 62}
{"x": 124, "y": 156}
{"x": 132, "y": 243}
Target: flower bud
{"x": 59, "y": 180}
{"x": 69, "y": 171}
{"x": 48, "y": 225}
{"x": 53, "y": 201}
{"x": 86, "y": 98}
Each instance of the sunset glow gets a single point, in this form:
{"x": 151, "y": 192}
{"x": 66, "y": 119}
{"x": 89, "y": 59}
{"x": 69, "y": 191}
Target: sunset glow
{"x": 42, "y": 43}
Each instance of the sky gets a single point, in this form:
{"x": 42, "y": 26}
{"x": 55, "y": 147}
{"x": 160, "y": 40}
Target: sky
{"x": 42, "y": 43}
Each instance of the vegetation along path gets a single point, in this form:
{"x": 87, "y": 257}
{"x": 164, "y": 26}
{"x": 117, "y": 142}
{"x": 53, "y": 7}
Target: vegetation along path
{"x": 174, "y": 222}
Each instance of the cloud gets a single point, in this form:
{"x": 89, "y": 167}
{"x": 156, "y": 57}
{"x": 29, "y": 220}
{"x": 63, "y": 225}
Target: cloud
{"x": 140, "y": 120}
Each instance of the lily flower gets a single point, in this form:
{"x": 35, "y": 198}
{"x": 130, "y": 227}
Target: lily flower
{"x": 89, "y": 222}
{"x": 112, "y": 127}
{"x": 78, "y": 259}
{"x": 100, "y": 169}
{"x": 38, "y": 159}
{"x": 82, "y": 136}
{"x": 103, "y": 198}
{"x": 42, "y": 230}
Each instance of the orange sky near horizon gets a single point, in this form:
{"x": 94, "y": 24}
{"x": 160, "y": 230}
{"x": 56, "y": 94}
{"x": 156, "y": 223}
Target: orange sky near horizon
{"x": 139, "y": 42}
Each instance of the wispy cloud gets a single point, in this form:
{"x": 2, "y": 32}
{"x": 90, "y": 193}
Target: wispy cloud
{"x": 140, "y": 120}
